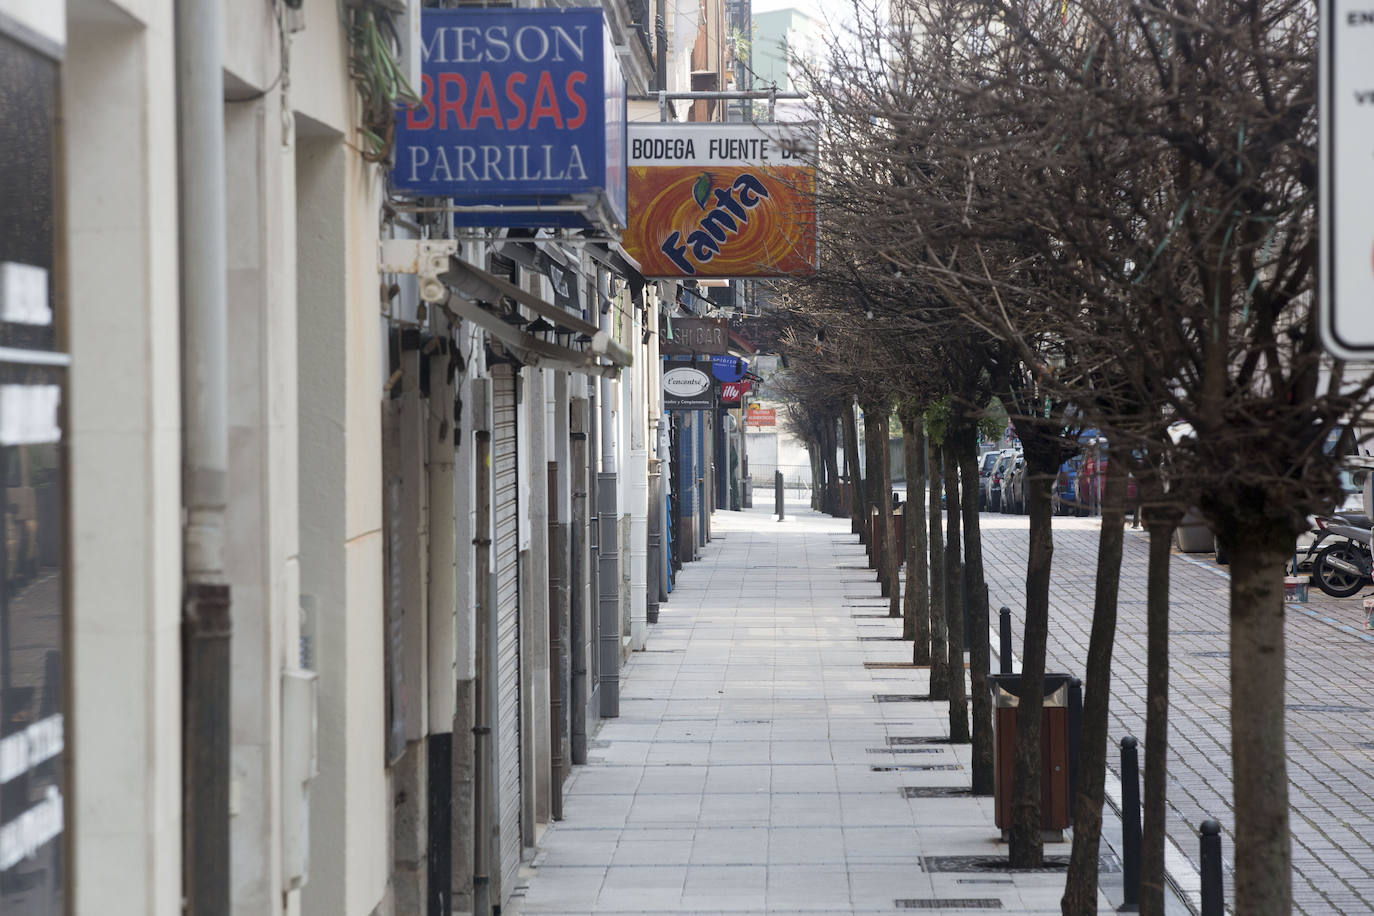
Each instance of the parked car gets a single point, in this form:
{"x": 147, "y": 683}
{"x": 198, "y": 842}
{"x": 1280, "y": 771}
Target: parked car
{"x": 986, "y": 498}
{"x": 1066, "y": 501}
{"x": 1014, "y": 488}
{"x": 999, "y": 477}
{"x": 985, "y": 464}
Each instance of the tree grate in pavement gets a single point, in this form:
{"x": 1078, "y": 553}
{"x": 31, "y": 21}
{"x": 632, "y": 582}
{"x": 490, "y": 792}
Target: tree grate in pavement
{"x": 916, "y": 767}
{"x": 1314, "y": 707}
{"x": 903, "y": 750}
{"x": 917, "y": 739}
{"x": 1107, "y": 864}
{"x": 936, "y": 792}
{"x": 902, "y": 698}
{"x": 879, "y": 666}
{"x": 949, "y": 903}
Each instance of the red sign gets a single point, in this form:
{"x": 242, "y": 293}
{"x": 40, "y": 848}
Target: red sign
{"x": 730, "y": 392}
{"x": 758, "y": 416}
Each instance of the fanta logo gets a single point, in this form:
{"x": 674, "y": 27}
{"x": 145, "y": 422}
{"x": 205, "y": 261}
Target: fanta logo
{"x": 730, "y": 216}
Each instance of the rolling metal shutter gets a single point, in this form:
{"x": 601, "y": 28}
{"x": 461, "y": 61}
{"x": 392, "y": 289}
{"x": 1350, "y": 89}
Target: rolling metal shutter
{"x": 505, "y": 509}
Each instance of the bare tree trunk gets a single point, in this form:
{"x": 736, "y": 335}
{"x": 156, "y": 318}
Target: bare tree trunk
{"x": 1026, "y": 848}
{"x": 939, "y": 642}
{"x": 1080, "y": 888}
{"x": 874, "y": 496}
{"x": 980, "y": 649}
{"x": 856, "y": 478}
{"x": 954, "y": 598}
{"x": 817, "y": 478}
{"x": 1263, "y": 846}
{"x": 890, "y": 566}
{"x": 916, "y": 622}
{"x": 832, "y": 472}
{"x": 1161, "y": 523}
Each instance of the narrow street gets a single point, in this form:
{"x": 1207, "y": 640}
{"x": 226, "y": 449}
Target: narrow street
{"x": 767, "y": 759}
{"x": 1330, "y": 754}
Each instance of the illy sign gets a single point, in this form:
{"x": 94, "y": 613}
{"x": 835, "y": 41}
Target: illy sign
{"x": 687, "y": 388}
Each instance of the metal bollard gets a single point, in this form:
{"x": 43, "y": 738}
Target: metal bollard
{"x": 1130, "y": 820}
{"x": 777, "y": 493}
{"x": 1075, "y": 735}
{"x": 1212, "y": 897}
{"x": 1004, "y": 632}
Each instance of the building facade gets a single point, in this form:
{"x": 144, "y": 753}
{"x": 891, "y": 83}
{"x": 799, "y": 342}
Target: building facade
{"x": 337, "y": 513}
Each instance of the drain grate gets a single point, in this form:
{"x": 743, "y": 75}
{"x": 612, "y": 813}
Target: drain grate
{"x": 916, "y": 739}
{"x": 1219, "y": 654}
{"x": 936, "y": 792}
{"x": 1196, "y": 633}
{"x": 983, "y": 881}
{"x": 1314, "y": 707}
{"x": 949, "y": 903}
{"x": 904, "y": 750}
{"x": 1107, "y": 864}
{"x": 870, "y": 616}
{"x": 916, "y": 767}
{"x": 902, "y": 698}
{"x": 880, "y": 638}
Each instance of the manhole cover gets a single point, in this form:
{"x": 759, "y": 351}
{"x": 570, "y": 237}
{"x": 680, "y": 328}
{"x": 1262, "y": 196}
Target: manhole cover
{"x": 936, "y": 792}
{"x": 904, "y": 750}
{"x": 901, "y": 697}
{"x": 914, "y": 767}
{"x": 1108, "y": 864}
{"x": 949, "y": 903}
{"x": 1313, "y": 707}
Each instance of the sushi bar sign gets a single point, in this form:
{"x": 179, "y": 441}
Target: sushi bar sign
{"x": 521, "y": 119}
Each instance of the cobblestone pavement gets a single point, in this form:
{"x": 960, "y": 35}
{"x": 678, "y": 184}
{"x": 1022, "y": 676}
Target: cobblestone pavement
{"x": 1330, "y": 747}
{"x": 754, "y": 767}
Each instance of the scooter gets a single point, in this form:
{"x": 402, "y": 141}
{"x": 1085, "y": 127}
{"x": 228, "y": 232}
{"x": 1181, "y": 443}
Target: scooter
{"x": 1344, "y": 565}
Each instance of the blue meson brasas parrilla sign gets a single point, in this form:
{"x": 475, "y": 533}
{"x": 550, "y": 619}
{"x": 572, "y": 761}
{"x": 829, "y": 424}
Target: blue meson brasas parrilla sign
{"x": 520, "y": 109}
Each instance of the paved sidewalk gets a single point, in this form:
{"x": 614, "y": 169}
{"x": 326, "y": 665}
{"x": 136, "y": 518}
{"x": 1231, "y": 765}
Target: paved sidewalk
{"x": 752, "y": 770}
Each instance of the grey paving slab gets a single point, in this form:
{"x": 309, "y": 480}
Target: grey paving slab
{"x": 740, "y": 775}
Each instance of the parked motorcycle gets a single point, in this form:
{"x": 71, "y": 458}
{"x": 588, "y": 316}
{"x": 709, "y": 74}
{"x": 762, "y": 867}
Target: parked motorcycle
{"x": 1340, "y": 554}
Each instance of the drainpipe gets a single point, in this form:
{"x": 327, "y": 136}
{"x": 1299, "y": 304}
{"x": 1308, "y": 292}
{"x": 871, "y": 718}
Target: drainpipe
{"x": 608, "y": 514}
{"x": 206, "y": 622}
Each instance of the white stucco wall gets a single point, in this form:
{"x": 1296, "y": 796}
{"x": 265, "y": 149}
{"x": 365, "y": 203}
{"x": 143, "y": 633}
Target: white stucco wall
{"x": 119, "y": 105}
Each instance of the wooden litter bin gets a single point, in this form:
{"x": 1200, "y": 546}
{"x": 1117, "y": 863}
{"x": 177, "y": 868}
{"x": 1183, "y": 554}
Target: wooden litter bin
{"x": 1054, "y": 749}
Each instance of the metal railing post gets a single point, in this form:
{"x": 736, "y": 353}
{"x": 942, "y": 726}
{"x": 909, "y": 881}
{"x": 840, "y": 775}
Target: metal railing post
{"x": 1130, "y": 820}
{"x": 1213, "y": 903}
{"x": 1004, "y": 642}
